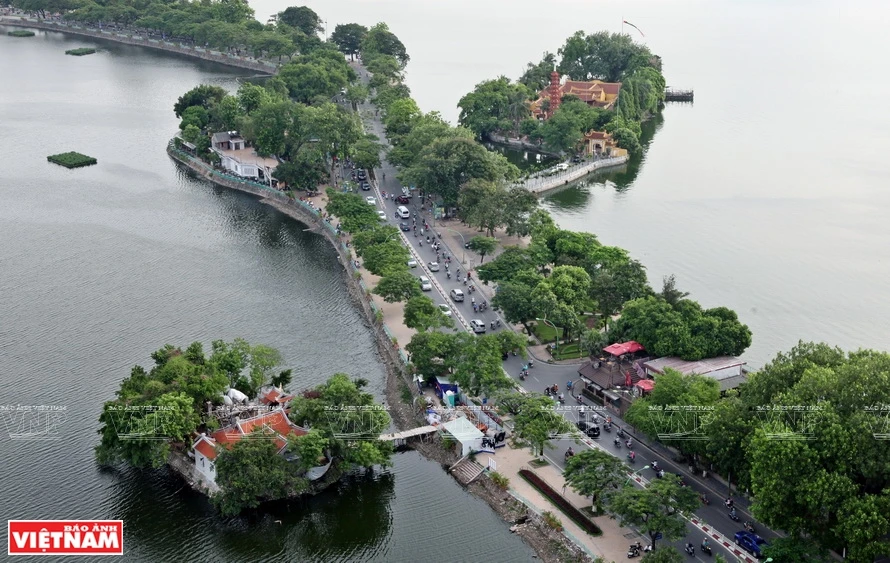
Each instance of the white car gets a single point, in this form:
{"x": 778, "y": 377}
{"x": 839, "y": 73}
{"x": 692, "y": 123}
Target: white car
{"x": 477, "y": 326}
{"x": 412, "y": 263}
{"x": 425, "y": 284}
{"x": 371, "y": 200}
{"x": 433, "y": 266}
{"x": 446, "y": 310}
{"x": 382, "y": 215}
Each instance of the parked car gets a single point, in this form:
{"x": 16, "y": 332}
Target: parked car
{"x": 404, "y": 226}
{"x": 477, "y": 326}
{"x": 362, "y": 175}
{"x": 576, "y": 159}
{"x": 425, "y": 284}
{"x": 750, "y": 542}
{"x": 381, "y": 215}
{"x": 412, "y": 263}
{"x": 371, "y": 200}
{"x": 562, "y": 166}
{"x": 446, "y": 310}
{"x": 433, "y": 266}
{"x": 457, "y": 295}
{"x": 403, "y": 200}
{"x": 588, "y": 428}
{"x": 366, "y": 186}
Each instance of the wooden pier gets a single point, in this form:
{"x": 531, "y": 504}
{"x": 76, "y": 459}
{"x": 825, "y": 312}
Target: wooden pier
{"x": 675, "y": 95}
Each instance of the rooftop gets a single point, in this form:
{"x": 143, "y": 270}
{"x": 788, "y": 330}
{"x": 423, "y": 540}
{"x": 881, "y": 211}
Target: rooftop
{"x": 249, "y": 156}
{"x": 700, "y": 367}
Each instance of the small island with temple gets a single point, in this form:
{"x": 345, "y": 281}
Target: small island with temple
{"x": 225, "y": 423}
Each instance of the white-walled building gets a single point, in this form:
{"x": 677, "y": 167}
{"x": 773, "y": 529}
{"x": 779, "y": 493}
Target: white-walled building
{"x": 240, "y": 159}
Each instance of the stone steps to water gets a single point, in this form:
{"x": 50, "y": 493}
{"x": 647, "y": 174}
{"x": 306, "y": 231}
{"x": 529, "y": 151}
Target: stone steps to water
{"x": 467, "y": 471}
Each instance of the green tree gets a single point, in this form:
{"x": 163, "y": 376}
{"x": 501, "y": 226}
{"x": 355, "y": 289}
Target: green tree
{"x": 194, "y": 115}
{"x": 348, "y": 37}
{"x": 251, "y": 97}
{"x": 494, "y": 106}
{"x": 357, "y": 94}
{"x": 516, "y": 301}
{"x": 447, "y": 164}
{"x": 382, "y": 259}
{"x": 482, "y": 245}
{"x": 795, "y": 550}
{"x": 669, "y": 291}
{"x": 433, "y": 352}
{"x": 592, "y": 341}
{"x": 602, "y": 55}
{"x": 537, "y": 421}
{"x": 656, "y": 509}
{"x": 667, "y": 554}
{"x": 380, "y": 40}
{"x": 203, "y": 95}
{"x": 398, "y": 285}
{"x": 366, "y": 154}
{"x": 192, "y": 134}
{"x": 250, "y": 472}
{"x": 479, "y": 367}
{"x": 301, "y": 17}
{"x": 422, "y": 314}
{"x": 354, "y": 212}
{"x": 303, "y": 172}
{"x": 310, "y": 448}
{"x": 399, "y": 118}
{"x": 424, "y": 130}
{"x": 537, "y": 75}
{"x": 595, "y": 473}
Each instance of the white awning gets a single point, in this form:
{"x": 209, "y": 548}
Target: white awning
{"x": 462, "y": 430}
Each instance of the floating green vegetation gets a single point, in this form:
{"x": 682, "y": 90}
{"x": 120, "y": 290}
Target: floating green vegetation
{"x": 72, "y": 159}
{"x": 21, "y": 33}
{"x": 80, "y": 51}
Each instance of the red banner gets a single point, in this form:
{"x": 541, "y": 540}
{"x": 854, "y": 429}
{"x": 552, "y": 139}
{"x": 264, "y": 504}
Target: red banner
{"x": 65, "y": 537}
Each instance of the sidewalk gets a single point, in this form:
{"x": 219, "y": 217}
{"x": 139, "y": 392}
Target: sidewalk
{"x": 611, "y": 546}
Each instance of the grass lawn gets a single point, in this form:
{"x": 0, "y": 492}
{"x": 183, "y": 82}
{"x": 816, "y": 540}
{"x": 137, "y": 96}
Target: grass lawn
{"x": 71, "y": 159}
{"x": 568, "y": 351}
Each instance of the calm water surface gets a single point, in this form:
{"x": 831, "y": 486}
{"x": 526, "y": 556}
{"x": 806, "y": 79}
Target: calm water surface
{"x": 768, "y": 195}
{"x": 101, "y": 266}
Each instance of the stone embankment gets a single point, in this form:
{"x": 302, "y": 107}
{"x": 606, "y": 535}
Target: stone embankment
{"x": 559, "y": 178}
{"x": 129, "y": 38}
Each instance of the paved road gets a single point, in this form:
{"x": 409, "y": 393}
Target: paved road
{"x": 543, "y": 374}
{"x": 462, "y": 312}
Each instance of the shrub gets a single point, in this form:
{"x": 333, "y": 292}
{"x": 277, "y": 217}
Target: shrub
{"x": 72, "y": 159}
{"x": 564, "y": 505}
{"x": 551, "y": 520}
{"x": 500, "y": 480}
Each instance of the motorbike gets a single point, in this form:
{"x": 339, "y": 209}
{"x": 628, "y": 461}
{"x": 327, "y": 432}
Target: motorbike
{"x": 733, "y": 516}
{"x": 448, "y": 274}
{"x": 629, "y": 443}
{"x": 659, "y": 473}
{"x": 749, "y": 527}
{"x": 569, "y": 453}
{"x": 548, "y": 391}
{"x": 706, "y": 549}
{"x": 531, "y": 363}
{"x": 705, "y": 499}
{"x": 631, "y": 457}
{"x": 617, "y": 442}
{"x": 562, "y": 400}
{"x": 521, "y": 376}
{"x": 654, "y": 465}
{"x": 607, "y": 427}
{"x": 634, "y": 550}
{"x": 690, "y": 549}
{"x": 620, "y": 432}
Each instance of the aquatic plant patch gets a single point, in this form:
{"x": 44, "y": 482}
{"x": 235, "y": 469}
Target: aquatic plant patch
{"x": 21, "y": 33}
{"x": 80, "y": 51}
{"x": 72, "y": 159}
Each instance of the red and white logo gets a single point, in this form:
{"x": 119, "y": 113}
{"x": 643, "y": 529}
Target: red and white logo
{"x": 66, "y": 537}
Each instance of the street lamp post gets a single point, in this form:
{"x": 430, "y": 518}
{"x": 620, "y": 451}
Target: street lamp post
{"x": 463, "y": 242}
{"x": 555, "y": 330}
{"x": 629, "y": 477}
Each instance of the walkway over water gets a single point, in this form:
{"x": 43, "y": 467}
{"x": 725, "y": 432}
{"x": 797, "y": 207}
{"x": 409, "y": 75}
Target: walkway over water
{"x": 414, "y": 432}
{"x": 541, "y": 184}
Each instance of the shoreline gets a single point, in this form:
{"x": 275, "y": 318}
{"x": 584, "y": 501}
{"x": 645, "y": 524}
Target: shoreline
{"x": 244, "y": 63}
{"x": 523, "y": 521}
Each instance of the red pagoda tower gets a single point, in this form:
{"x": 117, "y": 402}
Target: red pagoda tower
{"x": 555, "y": 93}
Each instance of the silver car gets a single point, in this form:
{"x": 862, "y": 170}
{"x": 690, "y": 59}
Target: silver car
{"x": 477, "y": 326}
{"x": 425, "y": 284}
{"x": 433, "y": 266}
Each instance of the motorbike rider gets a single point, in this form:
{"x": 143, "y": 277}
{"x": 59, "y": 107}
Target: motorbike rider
{"x": 732, "y": 513}
{"x": 705, "y": 544}
{"x": 632, "y": 455}
{"x": 569, "y": 453}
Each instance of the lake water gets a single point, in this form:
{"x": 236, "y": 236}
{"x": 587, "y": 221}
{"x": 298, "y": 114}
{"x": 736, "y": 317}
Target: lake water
{"x": 103, "y": 265}
{"x": 768, "y": 195}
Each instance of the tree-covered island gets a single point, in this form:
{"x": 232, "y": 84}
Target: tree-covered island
{"x": 225, "y": 422}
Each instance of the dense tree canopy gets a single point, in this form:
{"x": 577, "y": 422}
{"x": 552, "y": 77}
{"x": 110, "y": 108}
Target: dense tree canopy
{"x": 685, "y": 330}
{"x": 348, "y": 37}
{"x": 610, "y": 57}
{"x": 491, "y": 205}
{"x": 445, "y": 165}
{"x": 379, "y": 40}
{"x": 303, "y": 18}
{"x": 495, "y": 106}
{"x": 838, "y": 496}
